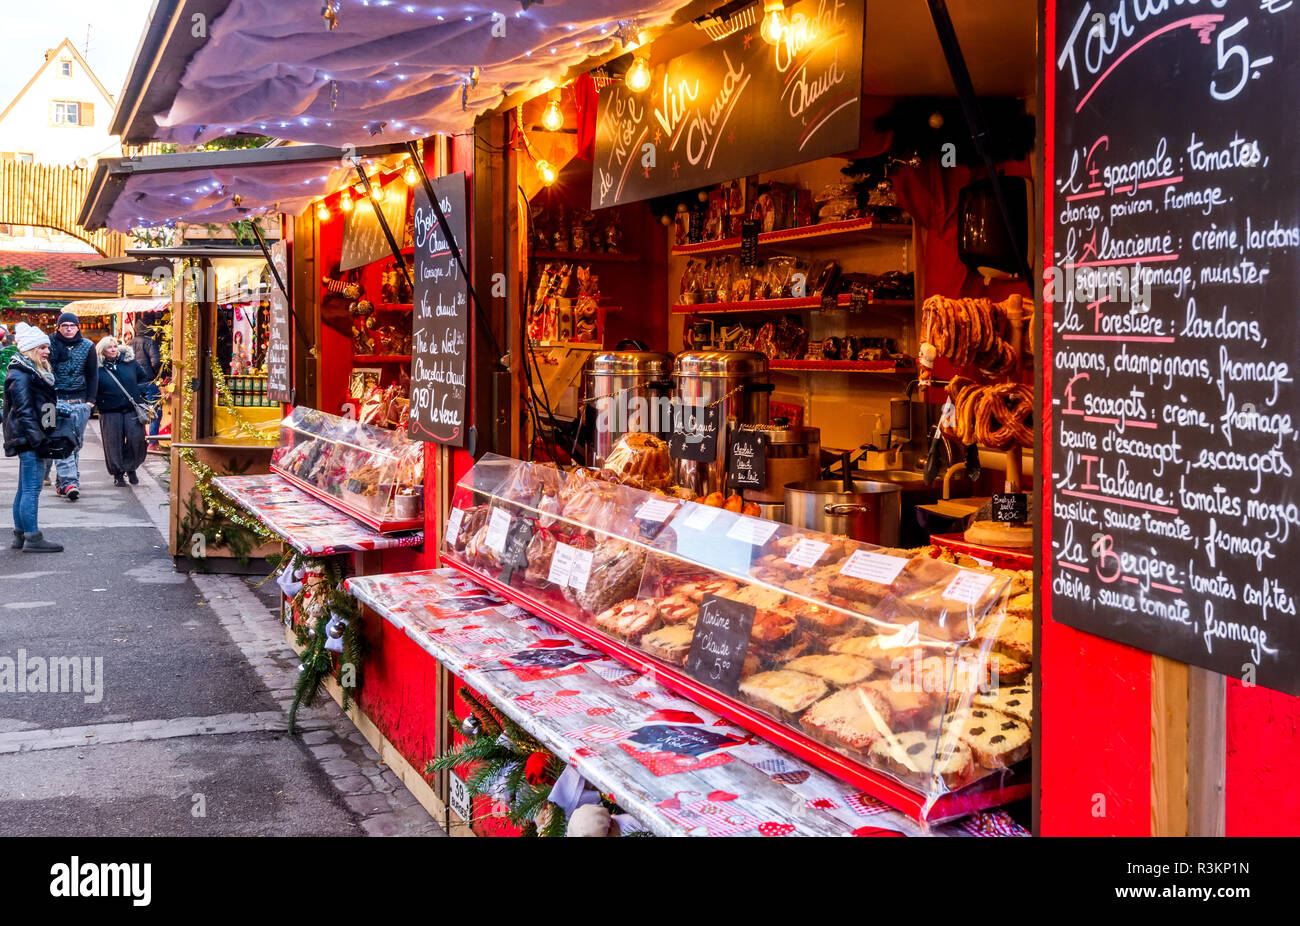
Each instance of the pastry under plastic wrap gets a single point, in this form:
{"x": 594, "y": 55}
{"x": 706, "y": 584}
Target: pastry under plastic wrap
{"x": 531, "y": 482}
{"x": 838, "y": 670}
{"x": 471, "y": 522}
{"x": 641, "y": 460}
{"x": 996, "y": 739}
{"x": 615, "y": 576}
{"x": 629, "y": 620}
{"x": 920, "y": 756}
{"x": 783, "y": 693}
{"x": 670, "y": 643}
{"x": 850, "y": 720}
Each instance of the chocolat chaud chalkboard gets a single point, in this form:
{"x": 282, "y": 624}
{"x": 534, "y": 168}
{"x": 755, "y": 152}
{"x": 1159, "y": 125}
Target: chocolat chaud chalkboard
{"x": 1175, "y": 222}
{"x": 735, "y": 107}
{"x": 440, "y": 325}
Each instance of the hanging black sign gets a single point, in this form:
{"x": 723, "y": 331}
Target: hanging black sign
{"x": 440, "y": 319}
{"x": 279, "y": 371}
{"x": 695, "y": 432}
{"x": 717, "y": 653}
{"x": 1174, "y": 241}
{"x": 515, "y": 555}
{"x": 734, "y": 108}
{"x": 364, "y": 241}
{"x": 747, "y": 461}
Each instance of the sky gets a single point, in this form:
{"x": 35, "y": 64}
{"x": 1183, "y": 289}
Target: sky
{"x": 29, "y": 27}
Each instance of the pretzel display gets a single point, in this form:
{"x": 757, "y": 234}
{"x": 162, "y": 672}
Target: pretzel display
{"x": 970, "y": 331}
{"x": 998, "y": 417}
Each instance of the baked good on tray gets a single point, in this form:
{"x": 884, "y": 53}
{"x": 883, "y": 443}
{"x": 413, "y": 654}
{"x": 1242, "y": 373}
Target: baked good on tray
{"x": 670, "y": 643}
{"x": 698, "y": 588}
{"x": 997, "y": 740}
{"x": 615, "y": 575}
{"x": 678, "y": 609}
{"x": 641, "y": 460}
{"x": 923, "y": 757}
{"x": 886, "y": 658}
{"x": 782, "y": 693}
{"x": 1008, "y": 634}
{"x": 837, "y": 670}
{"x": 849, "y": 720}
{"x": 910, "y": 702}
{"x": 759, "y": 596}
{"x": 629, "y": 620}
{"x": 1013, "y": 700}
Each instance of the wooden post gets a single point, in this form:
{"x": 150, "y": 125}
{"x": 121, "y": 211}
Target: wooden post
{"x": 1169, "y": 727}
{"x": 1207, "y": 743}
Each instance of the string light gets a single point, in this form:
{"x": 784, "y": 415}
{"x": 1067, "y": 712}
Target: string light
{"x": 638, "y": 76}
{"x": 410, "y": 176}
{"x": 546, "y": 172}
{"x": 322, "y": 212}
{"x": 553, "y": 119}
{"x": 774, "y": 24}
{"x": 345, "y": 202}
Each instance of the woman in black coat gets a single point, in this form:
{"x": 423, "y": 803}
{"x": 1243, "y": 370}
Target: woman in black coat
{"x": 121, "y": 382}
{"x": 30, "y": 415}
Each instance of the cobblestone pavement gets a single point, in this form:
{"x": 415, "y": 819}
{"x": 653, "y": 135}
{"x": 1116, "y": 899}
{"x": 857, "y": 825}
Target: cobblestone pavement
{"x": 184, "y": 731}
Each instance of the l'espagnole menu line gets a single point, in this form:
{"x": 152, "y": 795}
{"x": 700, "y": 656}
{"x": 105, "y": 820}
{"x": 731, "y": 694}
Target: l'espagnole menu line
{"x": 1175, "y": 279}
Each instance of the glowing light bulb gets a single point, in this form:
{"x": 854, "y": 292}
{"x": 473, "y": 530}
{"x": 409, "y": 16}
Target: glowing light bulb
{"x": 638, "y": 76}
{"x": 322, "y": 212}
{"x": 553, "y": 119}
{"x": 774, "y": 24}
{"x": 546, "y": 172}
{"x": 378, "y": 192}
{"x": 409, "y": 176}
{"x": 345, "y": 202}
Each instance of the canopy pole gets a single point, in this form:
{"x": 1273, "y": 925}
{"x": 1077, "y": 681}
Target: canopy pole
{"x": 503, "y": 360}
{"x": 275, "y": 272}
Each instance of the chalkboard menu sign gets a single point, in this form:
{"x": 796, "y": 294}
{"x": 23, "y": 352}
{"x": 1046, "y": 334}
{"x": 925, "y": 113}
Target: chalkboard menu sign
{"x": 440, "y": 325}
{"x": 1174, "y": 218}
{"x": 363, "y": 238}
{"x": 734, "y": 108}
{"x": 747, "y": 461}
{"x": 695, "y": 433}
{"x": 717, "y": 653}
{"x": 279, "y": 375}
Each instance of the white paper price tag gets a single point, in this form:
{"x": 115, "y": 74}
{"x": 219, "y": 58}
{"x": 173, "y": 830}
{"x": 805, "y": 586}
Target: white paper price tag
{"x": 656, "y": 509}
{"x": 968, "y": 586}
{"x": 700, "y": 517}
{"x": 453, "y": 525}
{"x": 561, "y": 565}
{"x": 498, "y": 530}
{"x": 581, "y": 570}
{"x": 458, "y": 796}
{"x": 806, "y": 553}
{"x": 874, "y": 567}
{"x": 754, "y": 531}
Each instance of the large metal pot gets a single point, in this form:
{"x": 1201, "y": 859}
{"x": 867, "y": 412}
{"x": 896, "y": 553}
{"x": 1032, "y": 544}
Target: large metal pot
{"x": 737, "y": 380}
{"x": 793, "y": 455}
{"x": 872, "y": 512}
{"x": 627, "y": 390}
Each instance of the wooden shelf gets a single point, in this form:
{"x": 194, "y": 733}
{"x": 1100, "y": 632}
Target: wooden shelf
{"x": 776, "y": 305}
{"x": 580, "y": 257}
{"x": 842, "y": 366}
{"x": 851, "y": 228}
{"x": 382, "y": 358}
{"x": 394, "y": 307}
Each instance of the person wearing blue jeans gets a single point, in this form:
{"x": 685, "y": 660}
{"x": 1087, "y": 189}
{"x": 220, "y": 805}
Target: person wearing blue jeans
{"x": 76, "y": 380}
{"x": 29, "y": 417}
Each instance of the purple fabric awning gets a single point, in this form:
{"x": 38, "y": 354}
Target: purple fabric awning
{"x": 389, "y": 71}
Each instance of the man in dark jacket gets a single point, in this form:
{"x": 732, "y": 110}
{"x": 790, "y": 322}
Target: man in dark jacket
{"x": 76, "y": 380}
{"x": 149, "y": 357}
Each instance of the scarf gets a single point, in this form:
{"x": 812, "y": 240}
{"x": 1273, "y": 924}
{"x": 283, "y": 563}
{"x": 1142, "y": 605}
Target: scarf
{"x": 61, "y": 348}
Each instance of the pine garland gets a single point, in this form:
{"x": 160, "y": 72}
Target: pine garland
{"x": 317, "y": 661}
{"x": 242, "y": 424}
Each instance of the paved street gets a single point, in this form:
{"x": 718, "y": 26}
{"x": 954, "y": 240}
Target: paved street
{"x": 183, "y": 732}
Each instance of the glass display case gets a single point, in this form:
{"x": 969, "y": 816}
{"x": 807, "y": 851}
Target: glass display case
{"x": 372, "y": 474}
{"x": 893, "y": 668}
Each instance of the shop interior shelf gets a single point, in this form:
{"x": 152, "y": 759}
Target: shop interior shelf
{"x": 991, "y": 792}
{"x": 776, "y": 305}
{"x": 382, "y": 358}
{"x": 585, "y": 256}
{"x": 394, "y": 307}
{"x": 843, "y": 366}
{"x": 850, "y": 228}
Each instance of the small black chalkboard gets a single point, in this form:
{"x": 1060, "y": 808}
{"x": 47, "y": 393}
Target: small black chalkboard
{"x": 721, "y": 640}
{"x": 695, "y": 432}
{"x": 1011, "y": 507}
{"x": 749, "y": 244}
{"x": 858, "y": 301}
{"x": 747, "y": 461}
{"x": 515, "y": 554}
{"x": 830, "y": 302}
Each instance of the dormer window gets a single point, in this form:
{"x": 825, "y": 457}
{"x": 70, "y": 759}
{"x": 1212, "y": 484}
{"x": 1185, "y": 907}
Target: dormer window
{"x": 65, "y": 68}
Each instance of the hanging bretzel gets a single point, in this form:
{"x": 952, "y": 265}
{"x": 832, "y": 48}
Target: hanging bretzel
{"x": 970, "y": 331}
{"x": 998, "y": 417}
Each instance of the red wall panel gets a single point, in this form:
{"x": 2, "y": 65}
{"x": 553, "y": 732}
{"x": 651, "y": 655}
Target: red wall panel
{"x": 1263, "y": 762}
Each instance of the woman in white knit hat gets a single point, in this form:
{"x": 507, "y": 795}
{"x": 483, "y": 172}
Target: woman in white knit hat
{"x": 30, "y": 415}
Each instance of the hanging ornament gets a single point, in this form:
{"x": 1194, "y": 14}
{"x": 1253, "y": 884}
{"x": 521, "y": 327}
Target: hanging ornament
{"x": 330, "y": 11}
{"x": 936, "y": 120}
{"x": 374, "y": 128}
{"x": 217, "y": 537}
{"x": 212, "y": 512}
{"x": 535, "y": 767}
{"x": 470, "y": 726}
{"x": 236, "y": 200}
{"x": 885, "y": 185}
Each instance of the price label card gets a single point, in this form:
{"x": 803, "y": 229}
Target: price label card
{"x": 721, "y": 639}
{"x": 1011, "y": 507}
{"x": 857, "y": 302}
{"x": 753, "y": 531}
{"x": 459, "y": 796}
{"x": 453, "y": 525}
{"x": 806, "y": 553}
{"x": 561, "y": 565}
{"x": 700, "y": 517}
{"x": 656, "y": 509}
{"x": 874, "y": 567}
{"x": 498, "y": 529}
{"x": 580, "y": 571}
{"x": 968, "y": 586}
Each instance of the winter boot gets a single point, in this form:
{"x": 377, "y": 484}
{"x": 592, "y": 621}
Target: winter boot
{"x": 118, "y": 480}
{"x": 18, "y": 541}
{"x": 36, "y": 543}
{"x": 132, "y": 478}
